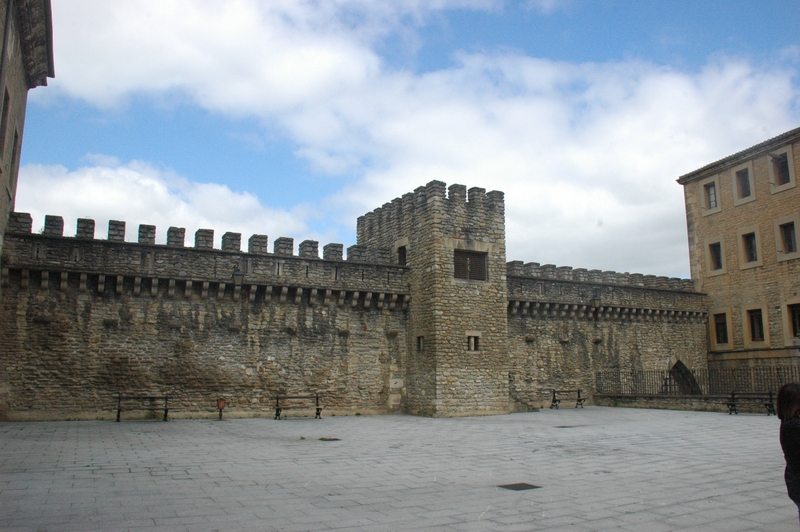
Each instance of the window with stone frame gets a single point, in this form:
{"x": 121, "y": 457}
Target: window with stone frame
{"x": 788, "y": 237}
{"x": 721, "y": 328}
{"x": 401, "y": 255}
{"x": 715, "y": 254}
{"x": 794, "y": 320}
{"x": 710, "y": 192}
{"x": 473, "y": 343}
{"x": 756, "y": 320}
{"x": 750, "y": 247}
{"x": 470, "y": 265}
{"x": 743, "y": 185}
{"x": 780, "y": 168}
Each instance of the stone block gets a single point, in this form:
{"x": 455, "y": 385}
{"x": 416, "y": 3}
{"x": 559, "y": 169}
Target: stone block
{"x": 283, "y": 246}
{"x": 514, "y": 267}
{"x": 20, "y": 222}
{"x": 531, "y": 269}
{"x": 477, "y": 196}
{"x": 258, "y": 244}
{"x": 176, "y": 237}
{"x": 204, "y": 239}
{"x": 116, "y": 231}
{"x": 232, "y": 242}
{"x": 380, "y": 255}
{"x": 85, "y": 228}
{"x": 457, "y": 193}
{"x": 333, "y": 252}
{"x": 309, "y": 249}
{"x": 147, "y": 234}
{"x": 53, "y": 225}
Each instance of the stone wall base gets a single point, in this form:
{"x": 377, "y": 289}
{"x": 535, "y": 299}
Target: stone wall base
{"x": 178, "y": 413}
{"x": 706, "y": 403}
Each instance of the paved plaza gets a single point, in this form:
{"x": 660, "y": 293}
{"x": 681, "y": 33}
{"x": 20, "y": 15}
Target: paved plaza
{"x": 597, "y": 469}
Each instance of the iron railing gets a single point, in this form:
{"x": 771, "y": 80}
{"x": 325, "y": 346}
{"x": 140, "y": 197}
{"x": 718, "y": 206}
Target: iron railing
{"x": 695, "y": 382}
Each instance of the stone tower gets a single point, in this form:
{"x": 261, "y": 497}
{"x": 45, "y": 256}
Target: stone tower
{"x": 453, "y": 242}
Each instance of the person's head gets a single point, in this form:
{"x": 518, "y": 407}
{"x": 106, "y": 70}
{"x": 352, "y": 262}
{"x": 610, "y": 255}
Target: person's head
{"x": 789, "y": 401}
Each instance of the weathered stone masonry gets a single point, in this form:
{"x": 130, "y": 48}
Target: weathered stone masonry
{"x": 392, "y": 328}
{"x": 444, "y": 377}
{"x": 86, "y": 318}
{"x": 564, "y": 324}
{"x": 28, "y": 62}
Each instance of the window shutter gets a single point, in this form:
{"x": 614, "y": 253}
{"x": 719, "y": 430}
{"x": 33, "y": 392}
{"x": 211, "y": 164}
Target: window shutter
{"x": 470, "y": 265}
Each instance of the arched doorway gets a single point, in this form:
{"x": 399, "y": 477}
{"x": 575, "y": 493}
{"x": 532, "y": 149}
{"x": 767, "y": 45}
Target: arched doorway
{"x": 680, "y": 381}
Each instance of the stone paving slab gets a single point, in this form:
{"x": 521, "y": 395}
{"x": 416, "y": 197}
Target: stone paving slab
{"x": 598, "y": 468}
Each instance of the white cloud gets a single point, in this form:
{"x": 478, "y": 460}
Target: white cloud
{"x": 138, "y": 193}
{"x": 587, "y": 153}
{"x": 241, "y": 56}
{"x": 574, "y": 144}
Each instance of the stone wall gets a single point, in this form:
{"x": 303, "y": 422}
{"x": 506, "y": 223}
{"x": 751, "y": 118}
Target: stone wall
{"x": 92, "y": 318}
{"x": 29, "y": 65}
{"x": 565, "y": 324}
{"x": 702, "y": 403}
{"x": 85, "y": 318}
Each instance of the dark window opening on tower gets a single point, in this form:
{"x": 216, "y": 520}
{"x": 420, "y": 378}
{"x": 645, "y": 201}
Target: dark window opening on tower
{"x": 401, "y": 255}
{"x": 721, "y": 328}
{"x": 750, "y": 249}
{"x": 789, "y": 238}
{"x": 470, "y": 265}
{"x": 473, "y": 343}
{"x": 715, "y": 250}
{"x": 756, "y": 325}
{"x": 794, "y": 317}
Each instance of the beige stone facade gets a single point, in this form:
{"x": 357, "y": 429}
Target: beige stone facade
{"x": 27, "y": 48}
{"x": 743, "y": 217}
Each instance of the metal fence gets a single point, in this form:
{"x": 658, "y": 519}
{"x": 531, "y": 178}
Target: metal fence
{"x": 695, "y": 382}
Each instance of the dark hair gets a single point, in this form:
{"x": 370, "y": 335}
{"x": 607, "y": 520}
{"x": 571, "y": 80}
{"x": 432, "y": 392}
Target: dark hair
{"x": 789, "y": 401}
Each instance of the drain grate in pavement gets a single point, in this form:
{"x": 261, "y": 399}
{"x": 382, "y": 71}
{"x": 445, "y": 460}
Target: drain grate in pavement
{"x": 520, "y": 486}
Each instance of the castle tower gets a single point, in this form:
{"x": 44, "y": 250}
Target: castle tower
{"x": 457, "y": 339}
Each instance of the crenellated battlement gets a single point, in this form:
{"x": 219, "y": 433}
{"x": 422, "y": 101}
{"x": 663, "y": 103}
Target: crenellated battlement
{"x": 397, "y": 216}
{"x": 50, "y": 260}
{"x": 566, "y": 273}
{"x": 21, "y": 223}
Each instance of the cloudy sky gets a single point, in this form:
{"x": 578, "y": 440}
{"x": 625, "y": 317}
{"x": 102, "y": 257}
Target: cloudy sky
{"x": 293, "y": 117}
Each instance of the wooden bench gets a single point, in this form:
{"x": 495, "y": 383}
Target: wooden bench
{"x": 153, "y": 403}
{"x": 280, "y": 404}
{"x": 557, "y": 401}
{"x": 765, "y": 399}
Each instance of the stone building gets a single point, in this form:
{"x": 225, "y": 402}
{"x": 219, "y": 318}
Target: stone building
{"x": 27, "y": 62}
{"x": 743, "y": 214}
{"x": 424, "y": 316}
